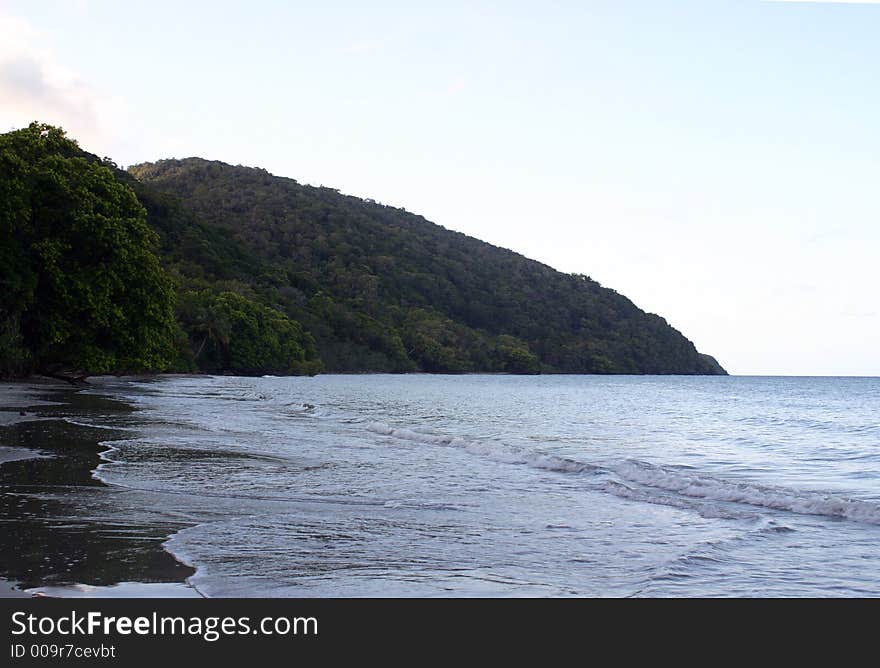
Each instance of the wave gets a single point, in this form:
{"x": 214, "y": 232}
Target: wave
{"x": 661, "y": 485}
{"x": 701, "y": 486}
{"x": 499, "y": 452}
{"x": 703, "y": 509}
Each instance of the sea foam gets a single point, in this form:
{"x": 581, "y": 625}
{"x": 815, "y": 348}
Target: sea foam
{"x": 698, "y": 485}
{"x": 499, "y": 452}
{"x": 651, "y": 483}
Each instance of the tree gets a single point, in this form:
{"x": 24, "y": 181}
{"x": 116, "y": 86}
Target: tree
{"x": 382, "y": 289}
{"x": 82, "y": 289}
{"x": 516, "y": 356}
{"x": 229, "y": 332}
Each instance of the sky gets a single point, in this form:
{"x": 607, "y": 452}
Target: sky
{"x": 714, "y": 161}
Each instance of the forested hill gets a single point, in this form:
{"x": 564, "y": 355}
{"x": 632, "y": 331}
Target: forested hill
{"x": 382, "y": 289}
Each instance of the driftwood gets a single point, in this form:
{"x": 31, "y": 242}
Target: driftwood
{"x": 75, "y": 378}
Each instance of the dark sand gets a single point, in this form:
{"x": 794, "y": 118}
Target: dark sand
{"x": 54, "y": 539}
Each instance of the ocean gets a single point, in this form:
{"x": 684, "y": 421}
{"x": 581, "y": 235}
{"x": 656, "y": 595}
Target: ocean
{"x": 499, "y": 486}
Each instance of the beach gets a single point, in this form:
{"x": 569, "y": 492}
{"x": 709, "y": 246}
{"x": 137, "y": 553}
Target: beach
{"x": 441, "y": 486}
{"x": 48, "y": 545}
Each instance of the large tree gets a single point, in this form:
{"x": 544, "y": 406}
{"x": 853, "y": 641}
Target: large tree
{"x": 81, "y": 289}
{"x": 229, "y": 332}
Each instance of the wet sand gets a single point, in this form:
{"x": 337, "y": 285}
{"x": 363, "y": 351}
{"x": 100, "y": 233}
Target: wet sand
{"x": 8, "y": 454}
{"x": 54, "y": 540}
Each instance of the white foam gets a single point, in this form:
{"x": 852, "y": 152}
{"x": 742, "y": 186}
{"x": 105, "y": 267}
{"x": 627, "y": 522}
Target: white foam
{"x": 93, "y": 425}
{"x": 494, "y": 450}
{"x": 687, "y": 484}
{"x": 118, "y": 590}
{"x": 648, "y": 496}
{"x": 701, "y": 486}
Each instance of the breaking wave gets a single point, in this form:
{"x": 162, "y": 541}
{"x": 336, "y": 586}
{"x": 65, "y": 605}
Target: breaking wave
{"x": 700, "y": 486}
{"x": 498, "y": 452}
{"x": 650, "y": 483}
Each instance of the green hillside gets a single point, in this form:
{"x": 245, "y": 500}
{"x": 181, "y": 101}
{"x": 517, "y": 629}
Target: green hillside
{"x": 87, "y": 276}
{"x": 382, "y": 289}
{"x": 191, "y": 265}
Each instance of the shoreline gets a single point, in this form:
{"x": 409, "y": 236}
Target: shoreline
{"x": 85, "y": 384}
{"x": 51, "y": 545}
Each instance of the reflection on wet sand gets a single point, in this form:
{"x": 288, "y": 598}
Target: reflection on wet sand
{"x": 60, "y": 527}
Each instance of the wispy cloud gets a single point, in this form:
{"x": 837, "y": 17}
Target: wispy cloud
{"x": 34, "y": 85}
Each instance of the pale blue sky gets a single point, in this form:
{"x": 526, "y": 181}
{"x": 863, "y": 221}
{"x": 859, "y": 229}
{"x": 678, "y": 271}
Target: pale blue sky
{"x": 716, "y": 162}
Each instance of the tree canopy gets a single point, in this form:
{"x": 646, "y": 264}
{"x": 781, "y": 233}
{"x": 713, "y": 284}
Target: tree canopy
{"x": 382, "y": 289}
{"x": 82, "y": 288}
{"x": 231, "y": 333}
{"x": 191, "y": 265}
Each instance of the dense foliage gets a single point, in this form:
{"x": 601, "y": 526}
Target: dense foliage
{"x": 231, "y": 333}
{"x": 193, "y": 265}
{"x": 81, "y": 289}
{"x": 381, "y": 289}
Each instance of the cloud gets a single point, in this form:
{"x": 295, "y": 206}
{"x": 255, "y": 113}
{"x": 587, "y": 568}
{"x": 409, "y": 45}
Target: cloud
{"x": 35, "y": 86}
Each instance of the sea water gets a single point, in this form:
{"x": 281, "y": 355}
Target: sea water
{"x": 494, "y": 485}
